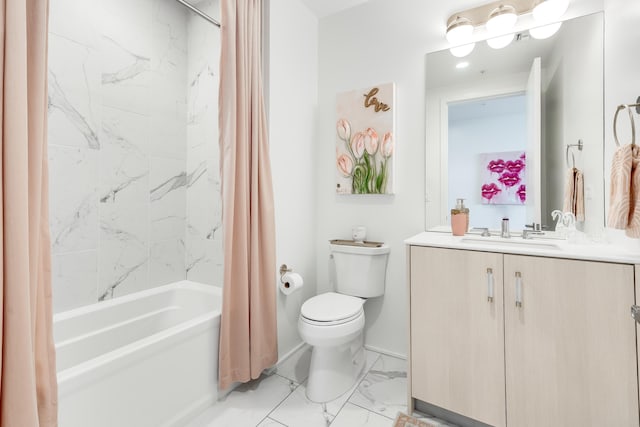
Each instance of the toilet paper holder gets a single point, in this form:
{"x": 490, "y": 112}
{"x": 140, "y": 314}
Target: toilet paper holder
{"x": 284, "y": 269}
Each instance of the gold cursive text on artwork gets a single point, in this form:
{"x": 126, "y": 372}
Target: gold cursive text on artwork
{"x": 371, "y": 100}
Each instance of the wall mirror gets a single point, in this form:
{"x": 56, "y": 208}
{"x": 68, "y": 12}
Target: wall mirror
{"x": 515, "y": 110}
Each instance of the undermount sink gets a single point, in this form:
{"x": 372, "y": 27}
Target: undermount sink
{"x": 512, "y": 242}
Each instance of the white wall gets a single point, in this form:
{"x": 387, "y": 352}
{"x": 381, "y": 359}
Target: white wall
{"x": 358, "y": 48}
{"x": 293, "y": 99}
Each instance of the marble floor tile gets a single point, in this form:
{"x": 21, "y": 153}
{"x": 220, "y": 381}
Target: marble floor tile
{"x": 298, "y": 410}
{"x": 384, "y": 388}
{"x": 355, "y": 416}
{"x": 268, "y": 422}
{"x": 247, "y": 405}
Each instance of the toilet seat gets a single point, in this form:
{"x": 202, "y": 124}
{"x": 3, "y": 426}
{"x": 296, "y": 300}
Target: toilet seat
{"x": 331, "y": 309}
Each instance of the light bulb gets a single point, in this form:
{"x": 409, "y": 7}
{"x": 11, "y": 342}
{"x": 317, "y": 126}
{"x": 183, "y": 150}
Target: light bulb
{"x": 545, "y": 31}
{"x": 550, "y": 10}
{"x": 502, "y": 19}
{"x": 459, "y": 31}
{"x": 462, "y": 51}
{"x": 500, "y": 41}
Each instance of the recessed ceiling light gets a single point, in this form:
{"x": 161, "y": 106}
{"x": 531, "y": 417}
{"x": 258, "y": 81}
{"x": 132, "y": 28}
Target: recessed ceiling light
{"x": 463, "y": 64}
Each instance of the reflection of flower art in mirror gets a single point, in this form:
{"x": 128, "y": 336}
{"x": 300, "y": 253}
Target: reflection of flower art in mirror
{"x": 503, "y": 178}
{"x": 365, "y": 141}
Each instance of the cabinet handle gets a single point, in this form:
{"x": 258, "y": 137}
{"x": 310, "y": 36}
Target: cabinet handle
{"x": 518, "y": 289}
{"x": 489, "y": 284}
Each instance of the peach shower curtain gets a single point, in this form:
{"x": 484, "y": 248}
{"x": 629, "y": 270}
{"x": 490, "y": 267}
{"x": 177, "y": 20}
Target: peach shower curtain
{"x": 248, "y": 336}
{"x": 28, "y": 388}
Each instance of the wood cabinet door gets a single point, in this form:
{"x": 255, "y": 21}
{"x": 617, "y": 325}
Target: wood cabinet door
{"x": 571, "y": 345}
{"x": 457, "y": 334}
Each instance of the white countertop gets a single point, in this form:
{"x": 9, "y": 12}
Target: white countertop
{"x": 553, "y": 248}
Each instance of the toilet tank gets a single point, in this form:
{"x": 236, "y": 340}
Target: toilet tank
{"x": 360, "y": 271}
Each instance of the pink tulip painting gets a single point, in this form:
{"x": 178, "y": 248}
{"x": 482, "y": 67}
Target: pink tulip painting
{"x": 371, "y": 141}
{"x": 503, "y": 178}
{"x": 345, "y": 164}
{"x": 365, "y": 144}
{"x": 357, "y": 144}
{"x": 344, "y": 130}
{"x": 387, "y": 145}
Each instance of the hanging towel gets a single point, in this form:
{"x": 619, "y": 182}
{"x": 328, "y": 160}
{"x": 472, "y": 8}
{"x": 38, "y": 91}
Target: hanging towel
{"x": 574, "y": 193}
{"x": 624, "y": 197}
{"x": 578, "y": 196}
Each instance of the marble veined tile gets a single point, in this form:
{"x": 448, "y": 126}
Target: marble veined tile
{"x": 124, "y": 165}
{"x": 124, "y": 249}
{"x": 73, "y": 198}
{"x": 168, "y": 180}
{"x": 384, "y": 388}
{"x": 355, "y": 416}
{"x": 126, "y": 77}
{"x": 166, "y": 262}
{"x": 298, "y": 410}
{"x": 247, "y": 405}
{"x": 129, "y": 24}
{"x": 74, "y": 94}
{"x": 76, "y": 20}
{"x": 204, "y": 259}
{"x": 74, "y": 279}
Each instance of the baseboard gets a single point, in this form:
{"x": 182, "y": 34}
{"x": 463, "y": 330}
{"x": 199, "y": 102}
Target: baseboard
{"x": 386, "y": 352}
{"x": 290, "y": 353}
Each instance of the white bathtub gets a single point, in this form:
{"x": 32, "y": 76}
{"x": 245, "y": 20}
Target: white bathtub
{"x": 145, "y": 359}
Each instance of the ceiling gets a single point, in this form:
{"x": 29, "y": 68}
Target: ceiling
{"x": 322, "y": 8}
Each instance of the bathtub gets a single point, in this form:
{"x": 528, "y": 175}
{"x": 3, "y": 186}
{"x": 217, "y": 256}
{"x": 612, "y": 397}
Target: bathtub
{"x": 144, "y": 359}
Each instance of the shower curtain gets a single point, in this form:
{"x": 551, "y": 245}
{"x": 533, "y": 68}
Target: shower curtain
{"x": 248, "y": 336}
{"x": 28, "y": 388}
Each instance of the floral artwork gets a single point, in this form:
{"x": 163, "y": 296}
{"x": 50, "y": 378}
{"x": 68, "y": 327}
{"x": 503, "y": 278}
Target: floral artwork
{"x": 365, "y": 142}
{"x": 503, "y": 179}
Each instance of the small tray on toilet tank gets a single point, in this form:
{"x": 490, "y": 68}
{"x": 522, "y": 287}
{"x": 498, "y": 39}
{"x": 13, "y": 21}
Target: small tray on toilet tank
{"x": 352, "y": 243}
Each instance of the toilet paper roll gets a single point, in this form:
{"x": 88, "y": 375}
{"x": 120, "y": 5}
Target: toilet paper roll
{"x": 290, "y": 282}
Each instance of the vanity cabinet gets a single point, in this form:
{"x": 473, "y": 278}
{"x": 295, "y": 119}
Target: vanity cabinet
{"x": 457, "y": 332}
{"x": 554, "y": 346}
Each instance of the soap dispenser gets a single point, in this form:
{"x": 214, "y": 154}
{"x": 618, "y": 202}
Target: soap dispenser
{"x": 459, "y": 218}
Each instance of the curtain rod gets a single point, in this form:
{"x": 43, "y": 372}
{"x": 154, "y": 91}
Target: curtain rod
{"x": 199, "y": 12}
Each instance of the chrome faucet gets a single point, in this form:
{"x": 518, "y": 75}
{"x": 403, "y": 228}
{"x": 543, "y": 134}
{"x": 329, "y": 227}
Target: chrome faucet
{"x": 534, "y": 229}
{"x": 484, "y": 231}
{"x": 526, "y": 234}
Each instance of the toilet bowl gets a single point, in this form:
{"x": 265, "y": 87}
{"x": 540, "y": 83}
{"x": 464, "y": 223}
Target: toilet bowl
{"x": 333, "y": 322}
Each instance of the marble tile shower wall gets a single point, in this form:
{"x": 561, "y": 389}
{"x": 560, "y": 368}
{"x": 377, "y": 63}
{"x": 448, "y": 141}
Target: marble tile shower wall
{"x": 124, "y": 99}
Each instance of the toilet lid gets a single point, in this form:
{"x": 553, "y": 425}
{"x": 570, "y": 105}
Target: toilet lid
{"x": 331, "y": 306}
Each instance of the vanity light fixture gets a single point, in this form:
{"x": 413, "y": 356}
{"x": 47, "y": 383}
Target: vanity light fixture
{"x": 499, "y": 19}
{"x": 459, "y": 30}
{"x": 502, "y": 19}
{"x": 549, "y": 10}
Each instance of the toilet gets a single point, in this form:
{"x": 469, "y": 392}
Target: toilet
{"x": 333, "y": 322}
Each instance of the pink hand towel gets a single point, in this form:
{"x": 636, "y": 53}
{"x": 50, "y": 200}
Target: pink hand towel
{"x": 624, "y": 200}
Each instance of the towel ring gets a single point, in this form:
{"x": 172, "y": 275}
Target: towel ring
{"x": 580, "y": 145}
{"x": 633, "y": 125}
